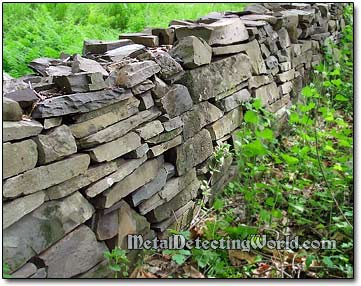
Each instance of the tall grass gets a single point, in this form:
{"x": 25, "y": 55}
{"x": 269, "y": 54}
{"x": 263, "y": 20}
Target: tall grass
{"x": 34, "y": 30}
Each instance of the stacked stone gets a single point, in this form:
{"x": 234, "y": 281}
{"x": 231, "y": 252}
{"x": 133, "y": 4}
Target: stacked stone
{"x": 118, "y": 140}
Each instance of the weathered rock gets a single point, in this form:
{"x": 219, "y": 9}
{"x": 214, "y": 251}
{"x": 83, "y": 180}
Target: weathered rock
{"x": 99, "y": 271}
{"x": 11, "y": 110}
{"x": 119, "y": 129}
{"x": 157, "y": 150}
{"x": 16, "y": 130}
{"x": 106, "y": 225}
{"x": 222, "y": 32}
{"x": 78, "y": 103}
{"x": 24, "y": 272}
{"x": 286, "y": 87}
{"x": 19, "y": 157}
{"x": 106, "y": 116}
{"x": 218, "y": 79}
{"x": 39, "y": 274}
{"x": 257, "y": 9}
{"x": 284, "y": 38}
{"x": 286, "y": 76}
{"x": 25, "y": 97}
{"x": 45, "y": 67}
{"x": 172, "y": 123}
{"x": 291, "y": 23}
{"x": 138, "y": 153}
{"x": 11, "y": 84}
{"x": 135, "y": 73}
{"x": 176, "y": 101}
{"x": 16, "y": 209}
{"x": 114, "y": 149}
{"x": 52, "y": 122}
{"x": 267, "y": 93}
{"x": 101, "y": 47}
{"x": 226, "y": 124}
{"x": 165, "y": 35}
{"x": 201, "y": 115}
{"x": 119, "y": 54}
{"x": 87, "y": 65}
{"x": 85, "y": 249}
{"x": 125, "y": 167}
{"x": 192, "y": 152}
{"x": 285, "y": 66}
{"x": 256, "y": 17}
{"x": 93, "y": 174}
{"x": 265, "y": 51}
{"x": 38, "y": 230}
{"x": 142, "y": 175}
{"x": 150, "y": 129}
{"x": 259, "y": 80}
{"x": 55, "y": 144}
{"x": 44, "y": 177}
{"x": 80, "y": 82}
{"x": 160, "y": 88}
{"x": 192, "y": 52}
{"x": 146, "y": 100}
{"x": 170, "y": 70}
{"x": 142, "y": 39}
{"x": 272, "y": 62}
{"x": 231, "y": 102}
{"x": 143, "y": 87}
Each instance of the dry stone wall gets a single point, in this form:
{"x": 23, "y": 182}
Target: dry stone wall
{"x": 117, "y": 141}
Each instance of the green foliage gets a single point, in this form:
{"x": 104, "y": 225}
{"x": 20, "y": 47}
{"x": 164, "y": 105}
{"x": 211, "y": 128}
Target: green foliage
{"x": 33, "y": 30}
{"x": 117, "y": 261}
{"x": 6, "y": 271}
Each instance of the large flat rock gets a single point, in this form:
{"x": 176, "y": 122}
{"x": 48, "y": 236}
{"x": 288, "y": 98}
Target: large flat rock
{"x": 11, "y": 110}
{"x": 16, "y": 130}
{"x": 176, "y": 101}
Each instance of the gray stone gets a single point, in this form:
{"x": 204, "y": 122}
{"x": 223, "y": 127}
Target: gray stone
{"x": 284, "y": 38}
{"x": 143, "y": 87}
{"x": 170, "y": 70}
{"x": 119, "y": 54}
{"x": 146, "y": 100}
{"x": 16, "y": 209}
{"x": 192, "y": 52}
{"x": 165, "y": 136}
{"x": 157, "y": 150}
{"x": 291, "y": 24}
{"x": 101, "y": 47}
{"x": 150, "y": 129}
{"x": 226, "y": 124}
{"x": 44, "y": 66}
{"x": 19, "y": 157}
{"x": 165, "y": 35}
{"x": 285, "y": 66}
{"x": 40, "y": 229}
{"x": 105, "y": 117}
{"x": 142, "y": 39}
{"x": 218, "y": 79}
{"x": 40, "y": 274}
{"x": 93, "y": 174}
{"x": 222, "y": 32}
{"x": 25, "y": 97}
{"x": 11, "y": 110}
{"x": 78, "y": 103}
{"x": 87, "y": 65}
{"x": 160, "y": 88}
{"x": 52, "y": 122}
{"x": 16, "y": 130}
{"x": 286, "y": 87}
{"x": 172, "y": 123}
{"x": 24, "y": 272}
{"x": 257, "y": 17}
{"x": 259, "y": 80}
{"x": 80, "y": 82}
{"x": 176, "y": 101}
{"x": 85, "y": 252}
{"x": 106, "y": 225}
{"x": 55, "y": 144}
{"x": 44, "y": 177}
{"x": 286, "y": 76}
{"x": 99, "y": 271}
{"x": 265, "y": 51}
{"x": 135, "y": 73}
{"x": 231, "y": 102}
{"x": 267, "y": 93}
{"x": 114, "y": 149}
{"x": 201, "y": 115}
{"x": 192, "y": 152}
{"x": 125, "y": 167}
{"x": 257, "y": 9}
{"x": 271, "y": 62}
{"x": 141, "y": 176}
{"x": 138, "y": 153}
{"x": 119, "y": 129}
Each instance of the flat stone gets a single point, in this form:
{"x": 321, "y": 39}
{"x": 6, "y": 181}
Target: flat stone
{"x": 16, "y": 209}
{"x": 165, "y": 35}
{"x": 201, "y": 115}
{"x": 41, "y": 228}
{"x": 157, "y": 150}
{"x": 143, "y": 87}
{"x": 226, "y": 124}
{"x": 135, "y": 73}
{"x": 124, "y": 168}
{"x": 170, "y": 70}
{"x": 44, "y": 177}
{"x": 138, "y": 153}
{"x": 25, "y": 97}
{"x": 192, "y": 152}
{"x": 93, "y": 174}
{"x": 231, "y": 102}
{"x": 150, "y": 129}
{"x": 284, "y": 38}
{"x": 87, "y": 65}
{"x": 85, "y": 249}
{"x": 106, "y": 116}
{"x": 99, "y": 271}
{"x": 16, "y": 130}
{"x": 80, "y": 82}
{"x": 259, "y": 80}
{"x": 291, "y": 24}
{"x": 176, "y": 101}
{"x": 55, "y": 144}
{"x": 78, "y": 103}
{"x": 257, "y": 9}
{"x": 160, "y": 88}
{"x": 119, "y": 54}
{"x": 101, "y": 47}
{"x": 286, "y": 66}
{"x": 172, "y": 123}
{"x": 257, "y": 17}
{"x": 142, "y": 39}
{"x": 114, "y": 149}
{"x": 40, "y": 274}
{"x": 106, "y": 225}
{"x": 192, "y": 52}
{"x": 267, "y": 93}
{"x": 225, "y": 31}
{"x": 286, "y": 87}
{"x": 265, "y": 51}
{"x": 19, "y": 157}
{"x": 45, "y": 67}
{"x": 165, "y": 136}
{"x": 11, "y": 110}
{"x": 25, "y": 271}
{"x": 146, "y": 100}
{"x": 119, "y": 129}
{"x": 286, "y": 76}
{"x": 218, "y": 79}
{"x": 52, "y": 122}
{"x": 141, "y": 176}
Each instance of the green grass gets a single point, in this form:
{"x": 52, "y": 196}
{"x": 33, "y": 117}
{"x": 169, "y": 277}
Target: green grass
{"x": 46, "y": 29}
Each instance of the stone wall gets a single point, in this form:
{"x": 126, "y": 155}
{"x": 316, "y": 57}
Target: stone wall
{"x": 117, "y": 141}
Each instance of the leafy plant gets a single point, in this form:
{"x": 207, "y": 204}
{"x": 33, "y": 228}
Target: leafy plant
{"x": 117, "y": 261}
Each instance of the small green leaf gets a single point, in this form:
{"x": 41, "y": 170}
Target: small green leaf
{"x": 179, "y": 259}
{"x": 290, "y": 160}
{"x": 251, "y": 117}
{"x": 218, "y": 204}
{"x": 309, "y": 260}
{"x": 307, "y": 91}
{"x": 266, "y": 134}
{"x": 257, "y": 104}
{"x": 340, "y": 97}
{"x": 327, "y": 261}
